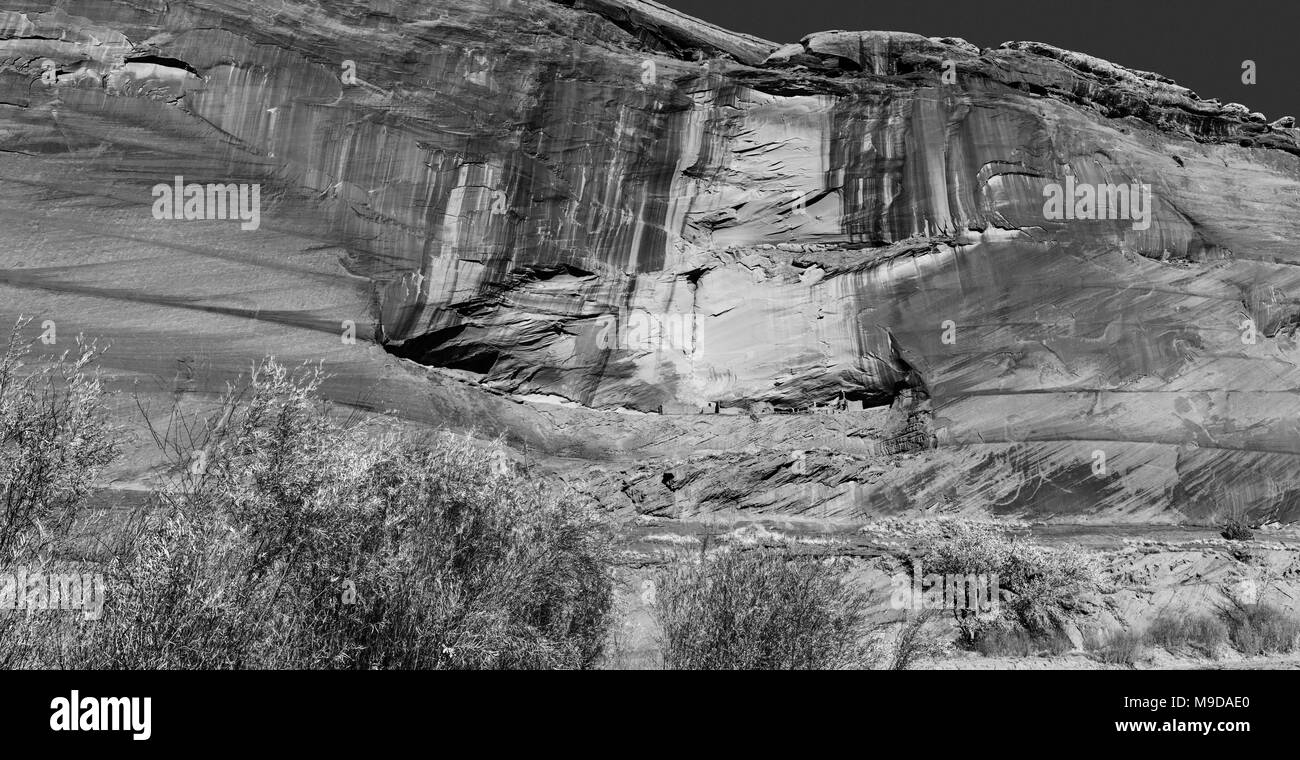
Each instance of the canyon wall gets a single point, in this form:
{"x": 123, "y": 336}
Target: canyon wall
{"x": 698, "y": 273}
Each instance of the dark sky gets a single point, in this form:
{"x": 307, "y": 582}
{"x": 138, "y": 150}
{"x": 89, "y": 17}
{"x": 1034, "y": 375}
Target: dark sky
{"x": 1199, "y": 44}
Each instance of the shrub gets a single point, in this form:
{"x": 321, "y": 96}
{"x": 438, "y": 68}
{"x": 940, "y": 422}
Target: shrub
{"x": 1256, "y": 629}
{"x": 56, "y": 439}
{"x": 1014, "y": 641}
{"x": 760, "y": 610}
{"x": 1042, "y": 589}
{"x": 292, "y": 541}
{"x": 916, "y": 642}
{"x": 1180, "y": 631}
{"x": 1047, "y": 586}
{"x": 1236, "y": 530}
{"x": 1120, "y": 648}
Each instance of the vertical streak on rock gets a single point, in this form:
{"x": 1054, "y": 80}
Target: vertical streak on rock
{"x": 925, "y": 199}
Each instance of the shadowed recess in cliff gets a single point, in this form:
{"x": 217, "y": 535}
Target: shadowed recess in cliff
{"x": 606, "y": 208}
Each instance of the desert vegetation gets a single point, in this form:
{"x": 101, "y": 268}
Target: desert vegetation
{"x": 1237, "y": 529}
{"x": 1125, "y": 648}
{"x": 1199, "y": 632}
{"x": 1258, "y": 628}
{"x": 282, "y": 534}
{"x": 287, "y": 538}
{"x": 1250, "y": 629}
{"x": 761, "y": 610}
{"x": 917, "y": 640}
{"x": 1043, "y": 590}
{"x": 56, "y": 438}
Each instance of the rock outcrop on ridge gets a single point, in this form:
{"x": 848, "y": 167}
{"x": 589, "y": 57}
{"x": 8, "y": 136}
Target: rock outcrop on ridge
{"x": 698, "y": 272}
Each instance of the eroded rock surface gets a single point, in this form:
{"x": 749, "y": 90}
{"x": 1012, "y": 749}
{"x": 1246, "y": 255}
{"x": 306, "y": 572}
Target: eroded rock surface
{"x": 694, "y": 270}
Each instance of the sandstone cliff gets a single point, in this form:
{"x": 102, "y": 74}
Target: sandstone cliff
{"x": 698, "y": 272}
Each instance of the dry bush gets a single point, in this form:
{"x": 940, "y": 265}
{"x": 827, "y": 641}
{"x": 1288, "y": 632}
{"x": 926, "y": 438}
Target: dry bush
{"x": 917, "y": 641}
{"x": 1118, "y": 648}
{"x": 1256, "y": 629}
{"x": 1043, "y": 589}
{"x": 764, "y": 609}
{"x": 1237, "y": 530}
{"x": 1177, "y": 631}
{"x": 1009, "y": 640}
{"x": 292, "y": 540}
{"x": 56, "y": 439}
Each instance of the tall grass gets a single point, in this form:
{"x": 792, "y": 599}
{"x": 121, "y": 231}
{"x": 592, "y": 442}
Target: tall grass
{"x": 1182, "y": 630}
{"x": 1257, "y": 629}
{"x": 1124, "y": 647}
{"x": 917, "y": 641}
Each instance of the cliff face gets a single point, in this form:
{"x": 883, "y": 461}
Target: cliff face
{"x": 695, "y": 270}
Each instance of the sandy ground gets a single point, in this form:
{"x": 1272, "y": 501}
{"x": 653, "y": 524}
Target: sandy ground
{"x": 1145, "y": 574}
